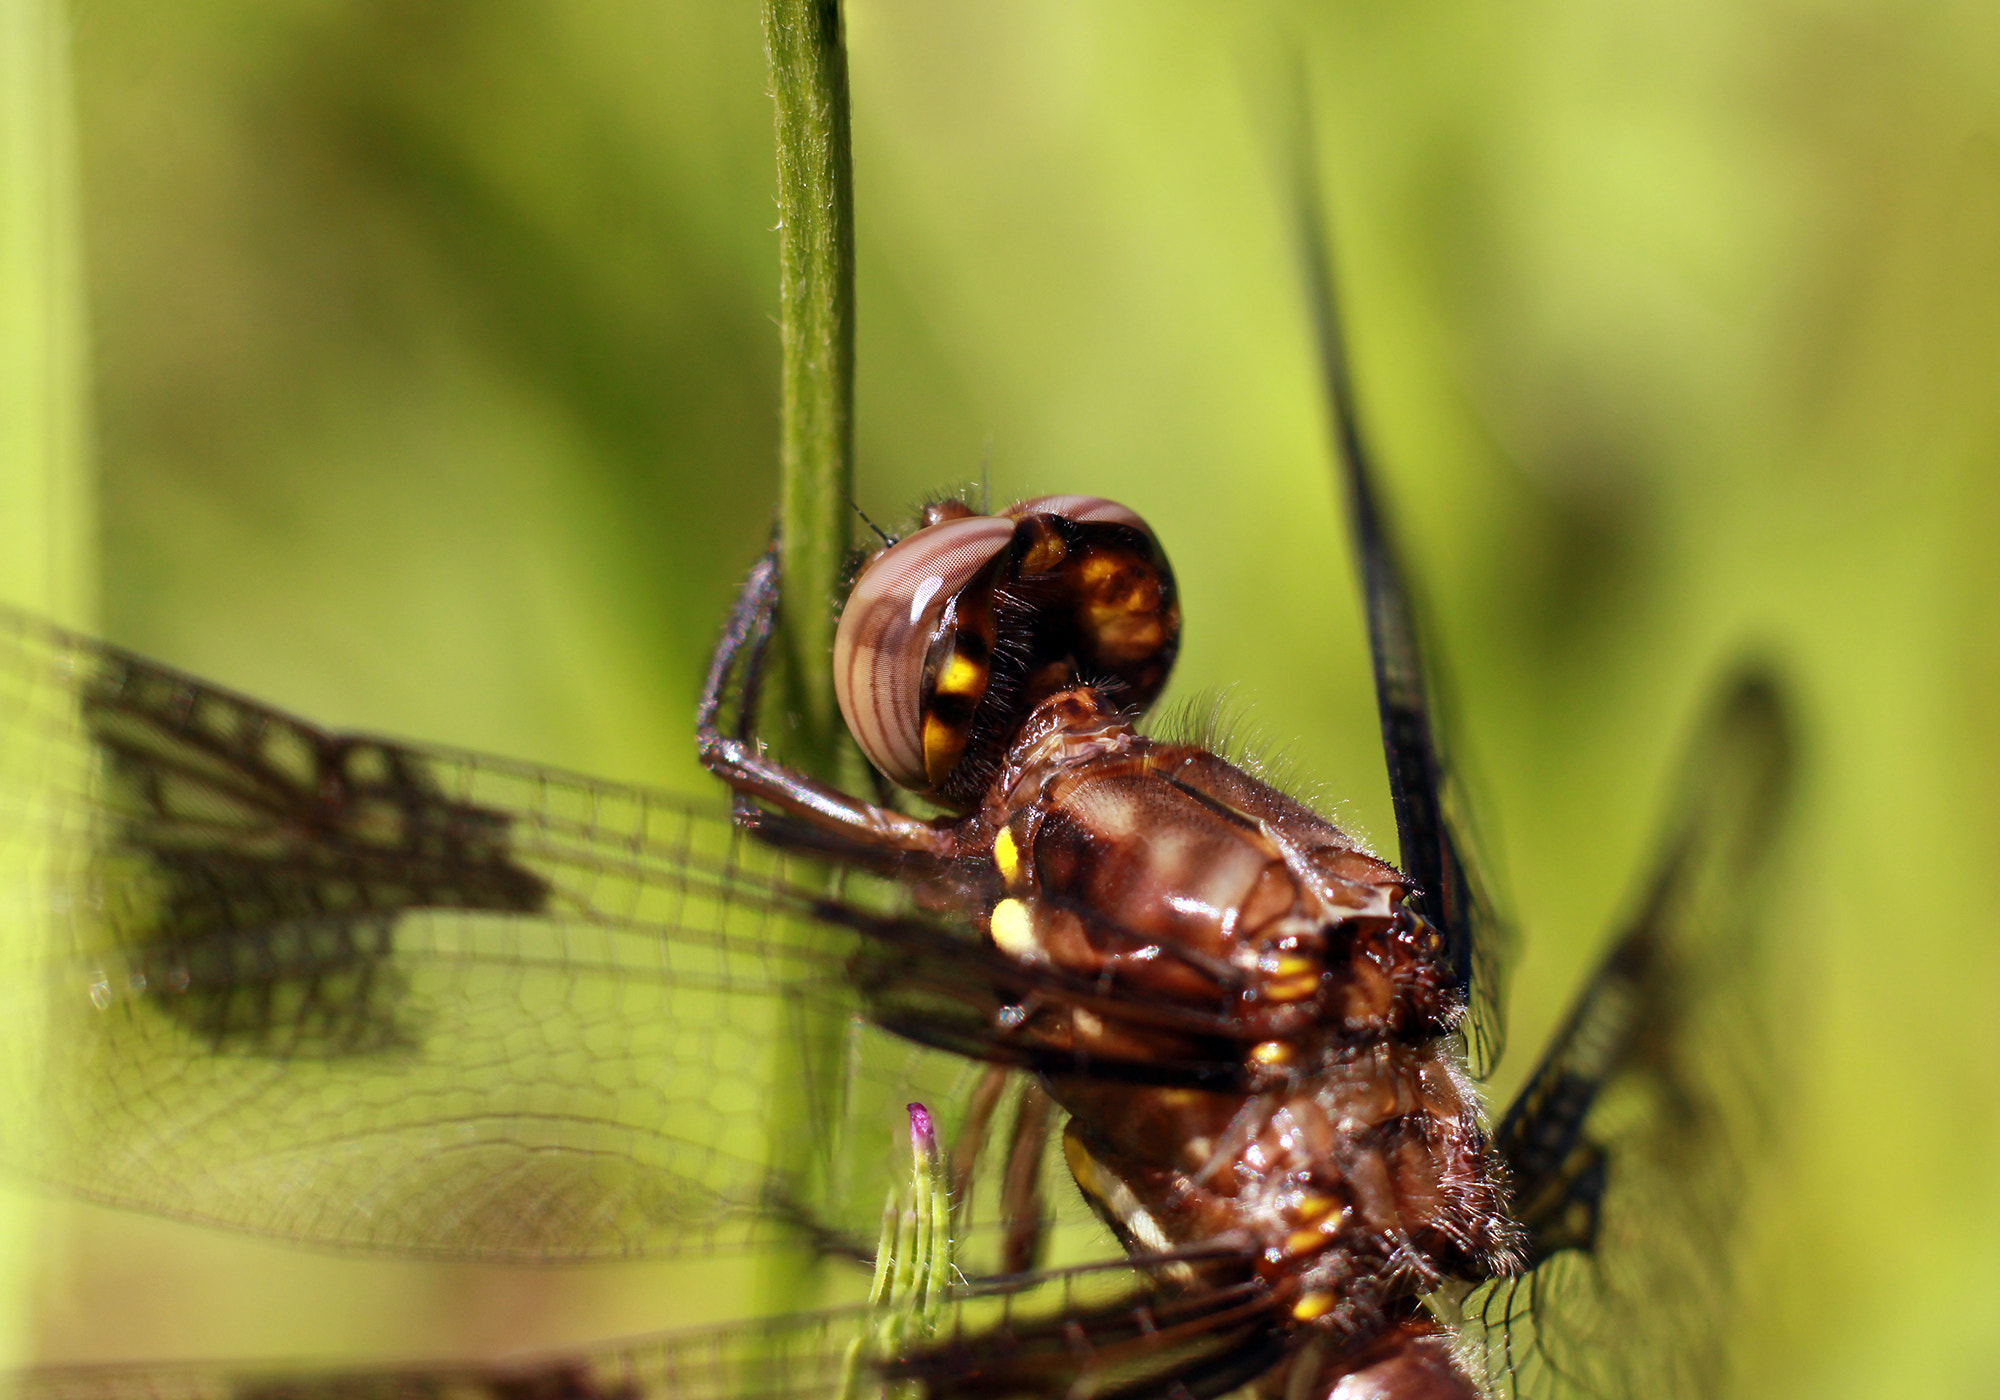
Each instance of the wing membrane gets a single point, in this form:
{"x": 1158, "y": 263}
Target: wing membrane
{"x": 394, "y": 998}
{"x": 1104, "y": 1331}
{"x": 390, "y": 998}
{"x": 1629, "y": 1144}
{"x": 1430, "y": 832}
{"x": 802, "y": 1357}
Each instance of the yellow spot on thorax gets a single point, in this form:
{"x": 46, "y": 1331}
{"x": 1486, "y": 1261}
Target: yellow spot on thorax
{"x": 1306, "y": 1241}
{"x": 1311, "y": 1306}
{"x": 1007, "y": 855}
{"x": 1081, "y": 1164}
{"x": 1314, "y": 1208}
{"x": 1013, "y": 925}
{"x": 1290, "y": 989}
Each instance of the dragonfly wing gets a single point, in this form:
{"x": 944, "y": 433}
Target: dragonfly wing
{"x": 1628, "y": 1146}
{"x": 1097, "y": 1329}
{"x": 407, "y": 999}
{"x": 805, "y": 1356}
{"x": 1143, "y": 1340}
{"x": 382, "y": 997}
{"x": 1430, "y": 825}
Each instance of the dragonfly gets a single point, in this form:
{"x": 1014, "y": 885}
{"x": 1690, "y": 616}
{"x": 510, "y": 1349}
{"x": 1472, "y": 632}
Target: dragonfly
{"x": 395, "y": 998}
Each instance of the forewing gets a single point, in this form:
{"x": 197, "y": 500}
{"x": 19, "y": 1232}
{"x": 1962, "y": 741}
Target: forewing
{"x": 391, "y": 998}
{"x": 1430, "y": 825}
{"x": 382, "y": 997}
{"x": 1628, "y": 1147}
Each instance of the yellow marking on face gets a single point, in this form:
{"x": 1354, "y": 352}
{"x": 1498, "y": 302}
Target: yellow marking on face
{"x": 1271, "y": 1052}
{"x": 1047, "y": 553}
{"x": 961, "y": 676}
{"x": 1007, "y": 855}
{"x": 941, "y": 748}
{"x": 1292, "y": 965}
{"x": 1013, "y": 926}
{"x": 1312, "y": 1306}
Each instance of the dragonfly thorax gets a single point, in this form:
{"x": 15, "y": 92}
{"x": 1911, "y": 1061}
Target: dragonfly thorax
{"x": 1266, "y": 972}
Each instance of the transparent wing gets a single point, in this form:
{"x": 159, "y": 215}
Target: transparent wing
{"x": 392, "y": 998}
{"x": 381, "y": 997}
{"x": 1430, "y": 826}
{"x": 1628, "y": 1146}
{"x": 801, "y": 1356}
{"x": 1096, "y": 1331}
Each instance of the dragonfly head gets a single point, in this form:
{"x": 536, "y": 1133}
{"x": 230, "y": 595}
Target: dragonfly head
{"x": 953, "y": 634}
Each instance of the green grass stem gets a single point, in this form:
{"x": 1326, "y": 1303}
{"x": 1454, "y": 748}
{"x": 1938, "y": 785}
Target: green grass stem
{"x": 816, "y": 256}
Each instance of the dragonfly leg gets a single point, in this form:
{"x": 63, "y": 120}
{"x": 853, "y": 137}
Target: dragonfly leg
{"x": 811, "y": 813}
{"x": 1021, "y": 1188}
{"x": 971, "y": 1140}
{"x": 1021, "y": 1205}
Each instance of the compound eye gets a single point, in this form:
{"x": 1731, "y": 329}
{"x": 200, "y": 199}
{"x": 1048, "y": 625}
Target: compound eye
{"x": 1081, "y": 509}
{"x": 902, "y": 606}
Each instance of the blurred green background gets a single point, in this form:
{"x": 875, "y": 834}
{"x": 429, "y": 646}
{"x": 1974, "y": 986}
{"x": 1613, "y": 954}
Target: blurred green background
{"x": 435, "y": 385}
